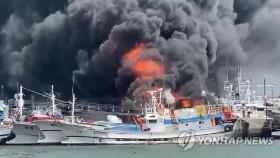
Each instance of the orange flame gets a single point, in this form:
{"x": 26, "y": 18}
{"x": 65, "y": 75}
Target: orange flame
{"x": 148, "y": 69}
{"x": 177, "y": 95}
{"x": 143, "y": 68}
{"x": 133, "y": 54}
{"x": 186, "y": 103}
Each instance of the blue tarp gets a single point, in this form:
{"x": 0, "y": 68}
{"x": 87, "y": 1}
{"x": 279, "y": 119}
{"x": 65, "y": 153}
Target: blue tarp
{"x": 126, "y": 128}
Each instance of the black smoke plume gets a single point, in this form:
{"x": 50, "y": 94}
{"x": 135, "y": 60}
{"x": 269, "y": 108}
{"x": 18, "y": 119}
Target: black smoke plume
{"x": 58, "y": 41}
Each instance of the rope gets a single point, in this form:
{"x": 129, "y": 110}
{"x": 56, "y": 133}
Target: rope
{"x": 44, "y": 95}
{"x": 69, "y": 102}
{"x": 36, "y": 92}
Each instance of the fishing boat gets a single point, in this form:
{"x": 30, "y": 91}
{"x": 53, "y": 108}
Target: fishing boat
{"x": 249, "y": 111}
{"x": 5, "y": 133}
{"x": 42, "y": 126}
{"x": 51, "y": 126}
{"x": 25, "y": 132}
{"x": 58, "y": 129}
{"x": 51, "y": 130}
{"x": 80, "y": 132}
{"x": 26, "y": 127}
{"x": 160, "y": 124}
{"x": 274, "y": 112}
{"x": 5, "y": 125}
{"x": 156, "y": 124}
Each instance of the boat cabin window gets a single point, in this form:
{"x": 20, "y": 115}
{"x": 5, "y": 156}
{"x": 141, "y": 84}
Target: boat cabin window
{"x": 150, "y": 111}
{"x": 152, "y": 121}
{"x": 201, "y": 122}
{"x": 260, "y": 109}
{"x": 186, "y": 124}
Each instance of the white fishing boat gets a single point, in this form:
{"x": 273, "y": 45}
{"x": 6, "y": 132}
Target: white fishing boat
{"x": 249, "y": 110}
{"x": 275, "y": 114}
{"x": 64, "y": 130}
{"x": 156, "y": 125}
{"x": 51, "y": 127}
{"x": 81, "y": 133}
{"x": 5, "y": 126}
{"x": 25, "y": 132}
{"x": 40, "y": 127}
{"x": 156, "y": 129}
{"x": 51, "y": 130}
{"x": 5, "y": 132}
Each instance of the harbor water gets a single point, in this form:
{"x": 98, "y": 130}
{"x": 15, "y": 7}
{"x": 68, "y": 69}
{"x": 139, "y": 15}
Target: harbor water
{"x": 141, "y": 151}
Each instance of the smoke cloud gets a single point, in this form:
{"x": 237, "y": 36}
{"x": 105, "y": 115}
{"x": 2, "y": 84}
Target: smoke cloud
{"x": 57, "y": 41}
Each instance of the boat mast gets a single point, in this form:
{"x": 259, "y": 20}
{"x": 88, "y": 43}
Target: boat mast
{"x": 227, "y": 70}
{"x": 264, "y": 94}
{"x": 73, "y": 102}
{"x": 53, "y": 100}
{"x": 228, "y": 87}
{"x": 20, "y": 101}
{"x": 239, "y": 79}
{"x": 73, "y": 107}
{"x": 203, "y": 92}
{"x": 248, "y": 92}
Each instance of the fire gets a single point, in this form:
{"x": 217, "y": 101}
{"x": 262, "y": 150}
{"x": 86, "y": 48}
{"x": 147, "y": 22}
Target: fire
{"x": 143, "y": 68}
{"x": 177, "y": 95}
{"x": 186, "y": 103}
{"x": 133, "y": 54}
{"x": 148, "y": 69}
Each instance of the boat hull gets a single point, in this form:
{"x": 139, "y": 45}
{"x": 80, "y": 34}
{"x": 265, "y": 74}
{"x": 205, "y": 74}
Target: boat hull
{"x": 275, "y": 114}
{"x": 78, "y": 134}
{"x": 88, "y": 134}
{"x": 25, "y": 133}
{"x": 156, "y": 138}
{"x": 53, "y": 132}
{"x": 5, "y": 133}
{"x": 253, "y": 127}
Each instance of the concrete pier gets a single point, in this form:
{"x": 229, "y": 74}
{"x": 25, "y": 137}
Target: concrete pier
{"x": 253, "y": 127}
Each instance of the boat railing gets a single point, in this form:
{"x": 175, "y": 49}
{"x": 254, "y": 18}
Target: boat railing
{"x": 214, "y": 109}
{"x": 92, "y": 107}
